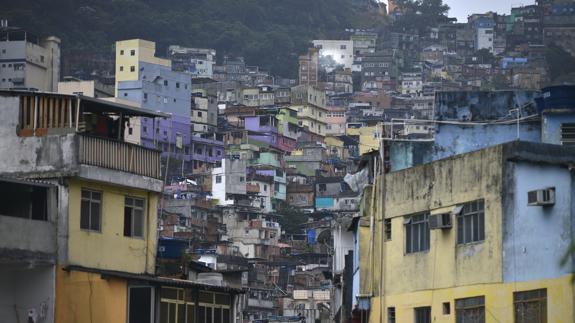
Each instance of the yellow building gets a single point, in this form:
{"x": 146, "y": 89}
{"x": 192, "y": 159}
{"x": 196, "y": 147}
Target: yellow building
{"x": 129, "y": 53}
{"x": 368, "y": 138}
{"x": 462, "y": 244}
{"x": 310, "y": 104}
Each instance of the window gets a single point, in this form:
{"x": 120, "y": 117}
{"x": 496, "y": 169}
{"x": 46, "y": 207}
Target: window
{"x": 417, "y": 233}
{"x": 165, "y": 82}
{"x": 177, "y": 85}
{"x": 145, "y": 129}
{"x": 145, "y": 96}
{"x": 133, "y": 217}
{"x": 122, "y": 52}
{"x": 265, "y": 188}
{"x": 391, "y": 315}
{"x": 121, "y": 68}
{"x": 276, "y": 187}
{"x": 91, "y": 210}
{"x": 242, "y": 179}
{"x": 530, "y": 306}
{"x": 132, "y": 68}
{"x": 387, "y": 223}
{"x": 42, "y": 58}
{"x": 470, "y": 310}
{"x": 130, "y": 130}
{"x": 133, "y": 52}
{"x": 218, "y": 179}
{"x": 446, "y": 308}
{"x": 568, "y": 134}
{"x": 199, "y": 114}
{"x": 422, "y": 314}
{"x": 342, "y": 47}
{"x": 470, "y": 223}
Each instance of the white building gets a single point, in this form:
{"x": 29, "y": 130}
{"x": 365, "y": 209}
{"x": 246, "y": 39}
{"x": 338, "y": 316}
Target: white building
{"x": 28, "y": 61}
{"x": 334, "y": 53}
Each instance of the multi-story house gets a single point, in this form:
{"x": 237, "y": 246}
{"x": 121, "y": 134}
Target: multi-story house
{"x": 464, "y": 249}
{"x": 309, "y": 67}
{"x": 199, "y": 62}
{"x": 334, "y": 53}
{"x": 310, "y": 103}
{"x": 28, "y": 62}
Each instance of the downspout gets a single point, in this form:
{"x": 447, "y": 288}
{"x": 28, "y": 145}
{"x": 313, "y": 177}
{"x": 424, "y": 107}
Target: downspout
{"x": 148, "y": 231}
{"x": 382, "y": 210}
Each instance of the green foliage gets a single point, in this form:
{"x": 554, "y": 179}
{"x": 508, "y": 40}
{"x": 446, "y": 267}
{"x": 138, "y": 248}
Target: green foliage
{"x": 291, "y": 220}
{"x": 561, "y": 64}
{"x": 267, "y": 33}
{"x": 421, "y": 15}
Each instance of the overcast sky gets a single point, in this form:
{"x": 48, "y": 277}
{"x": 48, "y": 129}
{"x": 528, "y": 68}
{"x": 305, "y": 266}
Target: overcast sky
{"x": 462, "y": 8}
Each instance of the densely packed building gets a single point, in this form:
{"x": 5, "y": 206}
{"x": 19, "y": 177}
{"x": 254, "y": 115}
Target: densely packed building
{"x": 402, "y": 177}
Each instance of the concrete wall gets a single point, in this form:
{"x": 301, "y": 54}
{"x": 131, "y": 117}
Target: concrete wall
{"x": 109, "y": 249}
{"x": 87, "y": 297}
{"x": 26, "y": 234}
{"x": 537, "y": 234}
{"x": 34, "y": 155}
{"x": 24, "y": 289}
{"x": 551, "y": 126}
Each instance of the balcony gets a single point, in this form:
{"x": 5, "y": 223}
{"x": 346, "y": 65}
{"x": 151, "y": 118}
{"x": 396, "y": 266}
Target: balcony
{"x": 130, "y": 158}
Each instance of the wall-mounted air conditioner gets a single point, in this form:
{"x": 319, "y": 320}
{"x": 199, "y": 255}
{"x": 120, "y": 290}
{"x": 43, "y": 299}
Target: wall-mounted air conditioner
{"x": 440, "y": 221}
{"x": 543, "y": 197}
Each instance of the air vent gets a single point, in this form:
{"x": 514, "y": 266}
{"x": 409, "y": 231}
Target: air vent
{"x": 544, "y": 197}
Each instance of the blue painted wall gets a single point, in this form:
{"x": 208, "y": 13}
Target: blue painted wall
{"x": 551, "y": 127}
{"x": 535, "y": 237}
{"x": 324, "y": 203}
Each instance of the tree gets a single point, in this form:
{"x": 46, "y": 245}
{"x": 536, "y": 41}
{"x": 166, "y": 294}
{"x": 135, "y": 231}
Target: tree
{"x": 291, "y": 220}
{"x": 421, "y": 14}
{"x": 561, "y": 64}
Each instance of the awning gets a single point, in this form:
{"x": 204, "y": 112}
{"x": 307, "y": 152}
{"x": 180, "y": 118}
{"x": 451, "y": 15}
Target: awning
{"x": 111, "y": 106}
{"x": 454, "y": 209}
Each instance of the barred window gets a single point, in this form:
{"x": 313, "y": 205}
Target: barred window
{"x": 470, "y": 310}
{"x": 530, "y": 306}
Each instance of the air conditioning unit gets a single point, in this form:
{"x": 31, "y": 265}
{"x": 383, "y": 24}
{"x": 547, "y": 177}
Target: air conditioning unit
{"x": 542, "y": 197}
{"x": 440, "y": 221}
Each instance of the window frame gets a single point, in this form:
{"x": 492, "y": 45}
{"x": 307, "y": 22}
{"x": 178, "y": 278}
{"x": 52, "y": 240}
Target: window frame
{"x": 91, "y": 191}
{"x": 408, "y": 224}
{"x": 468, "y": 307}
{"x": 466, "y": 216}
{"x": 540, "y": 298}
{"x": 134, "y": 207}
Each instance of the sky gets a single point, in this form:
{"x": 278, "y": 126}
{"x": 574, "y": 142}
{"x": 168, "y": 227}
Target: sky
{"x": 462, "y": 8}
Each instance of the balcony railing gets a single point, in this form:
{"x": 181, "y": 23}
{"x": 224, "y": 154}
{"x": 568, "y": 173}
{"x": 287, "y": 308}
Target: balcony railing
{"x": 120, "y": 156}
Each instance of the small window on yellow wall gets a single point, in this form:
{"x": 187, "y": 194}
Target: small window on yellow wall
{"x": 91, "y": 210}
{"x": 134, "y": 217}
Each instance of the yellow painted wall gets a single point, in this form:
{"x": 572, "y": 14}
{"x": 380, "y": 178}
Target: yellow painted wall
{"x": 86, "y": 298}
{"x": 498, "y": 301}
{"x": 306, "y": 114}
{"x": 367, "y": 140}
{"x": 145, "y": 52}
{"x": 444, "y": 183}
{"x": 109, "y": 249}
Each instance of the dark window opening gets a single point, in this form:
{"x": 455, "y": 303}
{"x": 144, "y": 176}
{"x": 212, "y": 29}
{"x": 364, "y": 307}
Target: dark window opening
{"x": 133, "y": 217}
{"x": 24, "y": 201}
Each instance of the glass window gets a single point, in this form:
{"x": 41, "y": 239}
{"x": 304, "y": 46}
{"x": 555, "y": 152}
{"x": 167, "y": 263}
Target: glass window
{"x": 133, "y": 217}
{"x": 471, "y": 223}
{"x": 133, "y": 52}
{"x": 530, "y": 306}
{"x": 470, "y": 310}
{"x": 422, "y": 314}
{"x": 417, "y": 233}
{"x": 91, "y": 210}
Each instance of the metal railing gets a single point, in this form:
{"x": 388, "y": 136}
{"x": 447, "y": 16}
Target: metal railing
{"x": 120, "y": 156}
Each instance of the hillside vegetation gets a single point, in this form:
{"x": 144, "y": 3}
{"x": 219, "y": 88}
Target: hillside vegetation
{"x": 268, "y": 33}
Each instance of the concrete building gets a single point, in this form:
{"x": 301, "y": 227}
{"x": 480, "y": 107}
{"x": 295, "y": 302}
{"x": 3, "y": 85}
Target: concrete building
{"x": 28, "y": 62}
{"x": 334, "y": 53}
{"x": 91, "y": 88}
{"x": 484, "y": 32}
{"x": 466, "y": 248}
{"x": 199, "y": 62}
{"x": 310, "y": 103}
{"x": 309, "y": 67}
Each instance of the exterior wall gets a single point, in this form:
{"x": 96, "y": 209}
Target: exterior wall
{"x": 368, "y": 139}
{"x": 87, "y": 88}
{"x": 87, "y": 297}
{"x": 536, "y": 234}
{"x": 340, "y": 50}
{"x": 24, "y": 289}
{"x": 498, "y": 301}
{"x": 551, "y": 125}
{"x": 144, "y": 52}
{"x": 38, "y": 64}
{"x": 455, "y": 181}
{"x": 109, "y": 249}
{"x": 26, "y": 234}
